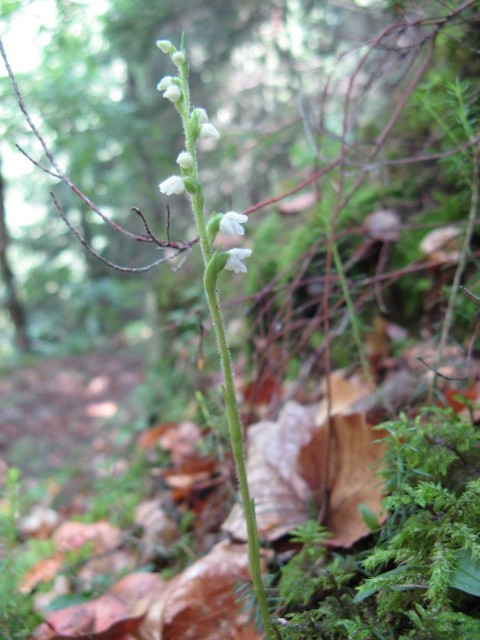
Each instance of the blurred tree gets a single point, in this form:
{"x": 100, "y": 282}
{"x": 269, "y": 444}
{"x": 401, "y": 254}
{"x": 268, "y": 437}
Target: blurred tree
{"x": 258, "y": 68}
{"x": 12, "y": 299}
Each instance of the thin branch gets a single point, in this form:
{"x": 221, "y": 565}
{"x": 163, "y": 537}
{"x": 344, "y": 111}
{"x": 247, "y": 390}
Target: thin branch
{"x": 301, "y": 185}
{"x": 51, "y": 158}
{"x": 163, "y": 244}
{"x": 474, "y": 200}
{"x": 96, "y": 255}
{"x": 37, "y": 164}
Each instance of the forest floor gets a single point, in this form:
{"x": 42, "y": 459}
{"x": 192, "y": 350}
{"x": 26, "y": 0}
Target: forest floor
{"x": 59, "y": 411}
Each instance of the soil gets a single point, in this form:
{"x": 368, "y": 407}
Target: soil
{"x": 65, "y": 412}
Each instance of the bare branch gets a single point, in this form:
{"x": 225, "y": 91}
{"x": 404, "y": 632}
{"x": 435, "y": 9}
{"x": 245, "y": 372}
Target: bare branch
{"x": 96, "y": 255}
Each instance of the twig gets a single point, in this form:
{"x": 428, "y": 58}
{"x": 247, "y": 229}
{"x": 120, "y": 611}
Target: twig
{"x": 474, "y": 200}
{"x": 61, "y": 175}
{"x": 96, "y": 255}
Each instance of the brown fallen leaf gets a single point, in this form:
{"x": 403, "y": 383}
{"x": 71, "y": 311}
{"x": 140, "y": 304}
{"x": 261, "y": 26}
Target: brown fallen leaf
{"x": 341, "y": 461}
{"x": 43, "y": 571}
{"x": 384, "y": 225}
{"x": 72, "y": 535}
{"x": 180, "y": 440}
{"x": 40, "y": 523}
{"x": 442, "y": 244}
{"x": 200, "y": 603}
{"x": 117, "y": 631}
{"x": 158, "y": 529}
{"x": 294, "y": 461}
{"x": 281, "y": 495}
{"x": 109, "y": 617}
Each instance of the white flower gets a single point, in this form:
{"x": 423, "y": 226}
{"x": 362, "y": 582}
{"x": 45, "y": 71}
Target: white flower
{"x": 172, "y": 185}
{"x": 164, "y": 83}
{"x": 178, "y": 58}
{"x": 164, "y": 45}
{"x": 235, "y": 257}
{"x": 207, "y": 130}
{"x": 185, "y": 160}
{"x": 172, "y": 93}
{"x": 231, "y": 223}
{"x": 202, "y": 116}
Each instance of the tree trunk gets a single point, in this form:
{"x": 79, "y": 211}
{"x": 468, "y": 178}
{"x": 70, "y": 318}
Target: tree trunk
{"x": 13, "y": 303}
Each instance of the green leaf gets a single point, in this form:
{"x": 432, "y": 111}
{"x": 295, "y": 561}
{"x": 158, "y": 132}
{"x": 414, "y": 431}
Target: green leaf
{"x": 369, "y": 517}
{"x": 467, "y": 574}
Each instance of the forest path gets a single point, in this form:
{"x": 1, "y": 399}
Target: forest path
{"x": 66, "y": 411}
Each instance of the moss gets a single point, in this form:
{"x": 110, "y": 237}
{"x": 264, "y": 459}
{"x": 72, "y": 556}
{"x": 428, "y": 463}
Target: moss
{"x": 401, "y": 586}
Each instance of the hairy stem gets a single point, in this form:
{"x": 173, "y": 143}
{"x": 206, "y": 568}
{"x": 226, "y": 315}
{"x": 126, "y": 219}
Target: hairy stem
{"x": 233, "y": 413}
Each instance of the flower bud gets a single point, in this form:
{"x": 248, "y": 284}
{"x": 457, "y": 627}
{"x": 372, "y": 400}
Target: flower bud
{"x": 178, "y": 58}
{"x": 215, "y": 265}
{"x": 164, "y": 83}
{"x": 185, "y": 160}
{"x": 173, "y": 93}
{"x": 164, "y": 45}
{"x": 207, "y": 130}
{"x": 191, "y": 185}
{"x": 213, "y": 226}
{"x": 172, "y": 185}
{"x": 201, "y": 115}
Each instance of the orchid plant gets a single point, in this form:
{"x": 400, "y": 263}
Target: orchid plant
{"x": 196, "y": 126}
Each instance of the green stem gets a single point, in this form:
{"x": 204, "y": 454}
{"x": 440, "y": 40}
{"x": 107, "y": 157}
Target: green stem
{"x": 238, "y": 450}
{"x": 233, "y": 413}
{"x": 351, "y": 312}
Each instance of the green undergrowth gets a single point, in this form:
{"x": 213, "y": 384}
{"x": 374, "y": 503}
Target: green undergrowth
{"x": 17, "y": 616}
{"x": 418, "y": 576}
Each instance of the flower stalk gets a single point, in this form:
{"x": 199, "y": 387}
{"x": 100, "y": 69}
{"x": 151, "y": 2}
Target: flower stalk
{"x": 196, "y": 125}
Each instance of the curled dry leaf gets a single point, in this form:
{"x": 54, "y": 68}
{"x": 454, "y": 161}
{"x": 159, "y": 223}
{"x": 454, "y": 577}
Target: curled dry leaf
{"x": 72, "y": 535}
{"x": 109, "y": 617}
{"x": 40, "y": 523}
{"x": 299, "y": 203}
{"x": 304, "y": 457}
{"x": 180, "y": 440}
{"x": 384, "y": 225}
{"x": 43, "y": 571}
{"x": 281, "y": 495}
{"x": 341, "y": 461}
{"x": 159, "y": 529}
{"x": 200, "y": 603}
{"x": 442, "y": 244}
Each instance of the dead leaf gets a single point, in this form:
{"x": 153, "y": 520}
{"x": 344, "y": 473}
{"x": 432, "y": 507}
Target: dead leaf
{"x": 108, "y": 563}
{"x": 72, "y": 535}
{"x": 43, "y": 571}
{"x": 281, "y": 495}
{"x": 117, "y": 631}
{"x": 298, "y": 204}
{"x": 185, "y": 478}
{"x": 136, "y": 586}
{"x": 343, "y": 394}
{"x": 294, "y": 461}
{"x": 200, "y": 603}
{"x": 442, "y": 244}
{"x": 39, "y": 523}
{"x": 180, "y": 440}
{"x": 384, "y": 225}
{"x": 341, "y": 462}
{"x": 158, "y": 528}
{"x": 109, "y": 617}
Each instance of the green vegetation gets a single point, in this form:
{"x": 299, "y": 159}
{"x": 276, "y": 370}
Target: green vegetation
{"x": 419, "y": 575}
{"x": 391, "y": 127}
{"x": 17, "y": 617}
